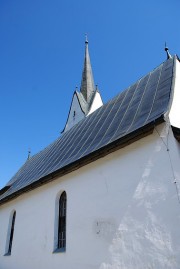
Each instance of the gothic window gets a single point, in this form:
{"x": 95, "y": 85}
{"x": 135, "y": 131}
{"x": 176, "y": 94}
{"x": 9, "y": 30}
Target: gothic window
{"x": 62, "y": 222}
{"x": 11, "y": 233}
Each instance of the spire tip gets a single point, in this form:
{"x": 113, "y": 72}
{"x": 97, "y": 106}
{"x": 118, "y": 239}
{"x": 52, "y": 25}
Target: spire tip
{"x": 86, "y": 39}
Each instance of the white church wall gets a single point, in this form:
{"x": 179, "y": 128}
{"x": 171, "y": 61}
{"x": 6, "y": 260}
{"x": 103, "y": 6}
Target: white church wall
{"x": 97, "y": 102}
{"x": 74, "y": 118}
{"x": 175, "y": 108}
{"x": 122, "y": 212}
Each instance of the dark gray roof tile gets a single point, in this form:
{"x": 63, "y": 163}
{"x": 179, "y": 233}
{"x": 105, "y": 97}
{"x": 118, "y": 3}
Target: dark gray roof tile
{"x": 142, "y": 103}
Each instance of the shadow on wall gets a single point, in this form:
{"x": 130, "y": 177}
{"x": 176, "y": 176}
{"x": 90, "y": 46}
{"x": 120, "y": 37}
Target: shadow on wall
{"x": 144, "y": 238}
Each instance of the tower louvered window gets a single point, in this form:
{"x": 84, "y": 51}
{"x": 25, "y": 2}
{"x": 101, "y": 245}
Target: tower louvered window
{"x": 62, "y": 222}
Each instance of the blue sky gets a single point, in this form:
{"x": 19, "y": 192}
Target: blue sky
{"x": 41, "y": 60}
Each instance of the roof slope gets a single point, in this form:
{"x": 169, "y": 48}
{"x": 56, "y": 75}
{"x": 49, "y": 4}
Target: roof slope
{"x": 144, "y": 102}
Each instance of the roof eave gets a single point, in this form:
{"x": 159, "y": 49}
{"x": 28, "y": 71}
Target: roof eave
{"x": 102, "y": 152}
{"x": 176, "y": 132}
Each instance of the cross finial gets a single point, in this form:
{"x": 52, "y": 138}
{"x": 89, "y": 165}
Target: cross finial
{"x": 86, "y": 39}
{"x": 167, "y": 52}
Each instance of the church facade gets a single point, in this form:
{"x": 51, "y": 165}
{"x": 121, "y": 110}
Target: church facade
{"x": 106, "y": 193}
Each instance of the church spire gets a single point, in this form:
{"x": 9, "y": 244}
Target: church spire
{"x": 88, "y": 99}
{"x": 87, "y": 83}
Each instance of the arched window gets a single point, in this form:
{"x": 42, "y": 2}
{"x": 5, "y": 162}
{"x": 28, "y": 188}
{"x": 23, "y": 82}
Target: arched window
{"x": 10, "y": 233}
{"x": 62, "y": 222}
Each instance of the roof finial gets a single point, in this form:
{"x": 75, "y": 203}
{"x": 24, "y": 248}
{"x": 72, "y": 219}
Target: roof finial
{"x": 167, "y": 52}
{"x": 86, "y": 39}
{"x": 29, "y": 154}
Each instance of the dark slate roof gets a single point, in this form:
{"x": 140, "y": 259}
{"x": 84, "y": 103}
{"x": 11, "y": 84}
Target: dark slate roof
{"x": 143, "y": 103}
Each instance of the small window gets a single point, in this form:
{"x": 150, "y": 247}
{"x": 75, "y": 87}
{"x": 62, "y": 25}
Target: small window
{"x": 10, "y": 233}
{"x": 62, "y": 222}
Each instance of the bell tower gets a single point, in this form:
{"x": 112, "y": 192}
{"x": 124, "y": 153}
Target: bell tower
{"x": 88, "y": 99}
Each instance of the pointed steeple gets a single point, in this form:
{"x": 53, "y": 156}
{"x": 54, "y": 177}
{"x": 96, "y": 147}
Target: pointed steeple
{"x": 87, "y": 83}
{"x": 88, "y": 99}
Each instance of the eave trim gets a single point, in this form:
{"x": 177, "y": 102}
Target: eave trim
{"x": 100, "y": 153}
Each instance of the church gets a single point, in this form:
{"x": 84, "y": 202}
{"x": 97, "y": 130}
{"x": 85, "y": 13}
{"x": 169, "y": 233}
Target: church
{"x": 106, "y": 193}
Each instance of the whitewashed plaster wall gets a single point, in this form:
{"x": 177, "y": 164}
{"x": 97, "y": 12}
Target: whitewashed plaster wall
{"x": 97, "y": 102}
{"x": 122, "y": 212}
{"x": 174, "y": 114}
{"x": 79, "y": 115}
